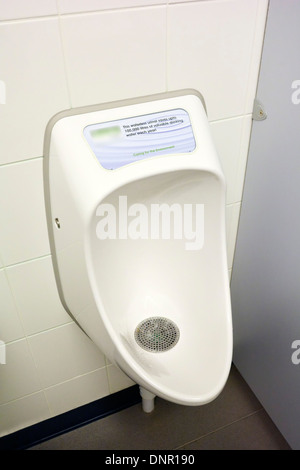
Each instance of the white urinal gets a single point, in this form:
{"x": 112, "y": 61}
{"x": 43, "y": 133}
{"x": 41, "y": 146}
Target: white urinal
{"x": 135, "y": 202}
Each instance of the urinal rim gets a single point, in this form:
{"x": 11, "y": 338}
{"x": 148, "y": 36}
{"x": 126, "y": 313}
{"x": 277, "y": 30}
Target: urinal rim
{"x": 115, "y": 104}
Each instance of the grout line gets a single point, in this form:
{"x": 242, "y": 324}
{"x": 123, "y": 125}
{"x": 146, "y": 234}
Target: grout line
{"x": 259, "y": 15}
{"x": 167, "y": 48}
{"x": 17, "y": 162}
{"x": 28, "y": 19}
{"x": 37, "y": 392}
{"x": 51, "y": 328}
{"x": 219, "y": 429}
{"x": 31, "y": 260}
{"x": 110, "y": 10}
{"x": 251, "y": 61}
{"x": 64, "y": 56}
{"x": 230, "y": 118}
{"x": 32, "y": 335}
{"x": 78, "y": 13}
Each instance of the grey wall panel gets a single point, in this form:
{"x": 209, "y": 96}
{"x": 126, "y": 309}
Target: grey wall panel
{"x": 265, "y": 282}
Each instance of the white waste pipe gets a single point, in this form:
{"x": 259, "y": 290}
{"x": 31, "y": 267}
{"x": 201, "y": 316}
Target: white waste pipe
{"x": 147, "y": 400}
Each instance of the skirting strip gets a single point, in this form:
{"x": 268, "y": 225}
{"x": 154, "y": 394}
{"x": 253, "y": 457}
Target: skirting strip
{"x": 52, "y": 427}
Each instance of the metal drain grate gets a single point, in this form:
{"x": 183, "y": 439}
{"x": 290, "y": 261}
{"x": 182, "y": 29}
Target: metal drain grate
{"x": 156, "y": 334}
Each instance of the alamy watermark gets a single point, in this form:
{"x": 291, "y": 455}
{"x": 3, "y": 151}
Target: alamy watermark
{"x": 295, "y": 357}
{"x": 296, "y": 93}
{"x": 2, "y": 92}
{"x": 2, "y": 352}
{"x": 153, "y": 221}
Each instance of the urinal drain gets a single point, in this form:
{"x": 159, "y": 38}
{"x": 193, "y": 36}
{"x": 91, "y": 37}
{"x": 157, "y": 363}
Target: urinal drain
{"x": 156, "y": 334}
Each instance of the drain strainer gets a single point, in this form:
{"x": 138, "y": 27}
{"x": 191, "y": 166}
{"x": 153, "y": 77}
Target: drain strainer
{"x": 156, "y": 334}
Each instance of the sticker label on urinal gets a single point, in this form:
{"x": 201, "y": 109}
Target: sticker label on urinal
{"x": 118, "y": 143}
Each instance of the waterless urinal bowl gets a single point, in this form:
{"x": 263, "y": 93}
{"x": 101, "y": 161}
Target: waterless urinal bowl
{"x": 135, "y": 202}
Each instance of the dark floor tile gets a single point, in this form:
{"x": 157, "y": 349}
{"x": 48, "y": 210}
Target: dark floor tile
{"x": 255, "y": 432}
{"x": 167, "y": 427}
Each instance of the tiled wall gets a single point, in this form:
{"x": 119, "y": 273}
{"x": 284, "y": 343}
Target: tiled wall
{"x": 67, "y": 53}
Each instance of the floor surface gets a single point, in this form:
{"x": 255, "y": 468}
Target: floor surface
{"x": 234, "y": 421}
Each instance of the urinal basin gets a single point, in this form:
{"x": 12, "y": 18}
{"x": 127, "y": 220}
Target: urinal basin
{"x": 136, "y": 279}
